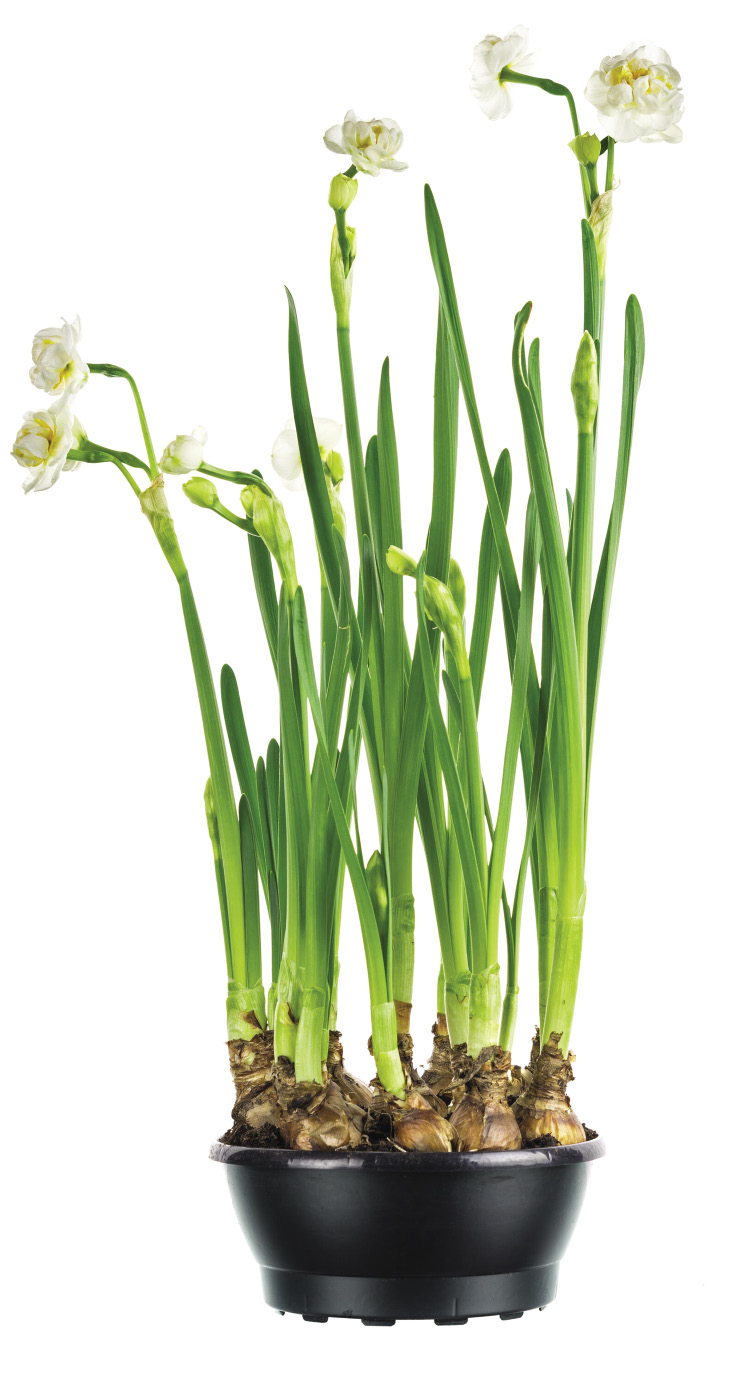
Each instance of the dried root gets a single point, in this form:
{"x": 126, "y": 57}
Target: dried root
{"x": 438, "y": 1076}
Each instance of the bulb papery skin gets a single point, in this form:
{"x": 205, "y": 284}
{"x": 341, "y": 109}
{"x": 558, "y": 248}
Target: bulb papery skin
{"x": 638, "y": 95}
{"x": 315, "y": 1117}
{"x": 417, "y": 1127}
{"x": 544, "y": 1110}
{"x": 483, "y": 1120}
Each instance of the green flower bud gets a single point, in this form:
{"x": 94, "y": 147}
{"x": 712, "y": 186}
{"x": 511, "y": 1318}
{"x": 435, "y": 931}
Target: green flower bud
{"x": 401, "y": 563}
{"x": 377, "y": 885}
{"x": 586, "y": 148}
{"x": 341, "y": 276}
{"x": 441, "y": 608}
{"x": 334, "y": 465}
{"x": 342, "y": 192}
{"x": 339, "y": 518}
{"x": 269, "y": 518}
{"x": 201, "y": 492}
{"x": 600, "y": 220}
{"x": 155, "y": 508}
{"x": 584, "y": 384}
{"x": 457, "y": 586}
{"x": 212, "y": 820}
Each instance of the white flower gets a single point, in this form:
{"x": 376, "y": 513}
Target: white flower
{"x": 58, "y": 367}
{"x": 43, "y": 443}
{"x": 638, "y": 95}
{"x": 370, "y": 144}
{"x": 490, "y": 57}
{"x": 285, "y": 456}
{"x": 184, "y": 453}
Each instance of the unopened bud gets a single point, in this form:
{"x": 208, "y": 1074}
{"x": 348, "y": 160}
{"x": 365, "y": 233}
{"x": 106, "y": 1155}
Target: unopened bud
{"x": 337, "y": 510}
{"x": 342, "y": 192}
{"x": 377, "y": 885}
{"x": 600, "y": 220}
{"x": 269, "y": 518}
{"x": 457, "y": 586}
{"x": 334, "y": 465}
{"x": 341, "y": 274}
{"x": 211, "y": 819}
{"x": 401, "y": 563}
{"x": 201, "y": 492}
{"x": 584, "y": 384}
{"x": 586, "y": 148}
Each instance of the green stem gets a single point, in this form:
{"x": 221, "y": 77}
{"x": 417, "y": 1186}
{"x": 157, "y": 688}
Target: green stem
{"x": 105, "y": 369}
{"x": 610, "y": 164}
{"x": 545, "y": 84}
{"x": 582, "y": 557}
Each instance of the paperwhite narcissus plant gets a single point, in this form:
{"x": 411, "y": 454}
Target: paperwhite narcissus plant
{"x": 287, "y": 462}
{"x": 638, "y": 95}
{"x": 490, "y": 57}
{"x": 184, "y": 453}
{"x": 58, "y": 366}
{"x": 370, "y": 144}
{"x": 43, "y": 443}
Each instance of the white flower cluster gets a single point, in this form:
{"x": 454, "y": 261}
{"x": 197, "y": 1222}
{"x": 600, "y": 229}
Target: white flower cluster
{"x": 638, "y": 95}
{"x": 47, "y": 436}
{"x": 491, "y": 57}
{"x": 370, "y": 144}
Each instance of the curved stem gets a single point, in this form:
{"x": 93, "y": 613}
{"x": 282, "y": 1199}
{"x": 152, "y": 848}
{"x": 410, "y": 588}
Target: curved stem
{"x": 610, "y": 165}
{"x": 106, "y": 369}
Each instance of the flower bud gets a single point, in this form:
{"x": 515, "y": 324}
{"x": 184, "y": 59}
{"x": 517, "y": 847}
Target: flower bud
{"x": 586, "y": 148}
{"x": 337, "y": 510}
{"x": 400, "y": 563}
{"x": 584, "y": 384}
{"x": 377, "y": 885}
{"x": 443, "y": 611}
{"x": 457, "y": 586}
{"x": 600, "y": 220}
{"x": 341, "y": 275}
{"x": 184, "y": 453}
{"x": 342, "y": 192}
{"x": 334, "y": 464}
{"x": 201, "y": 492}
{"x": 268, "y": 516}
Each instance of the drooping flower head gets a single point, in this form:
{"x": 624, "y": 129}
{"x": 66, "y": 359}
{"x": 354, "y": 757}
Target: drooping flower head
{"x": 638, "y": 95}
{"x": 58, "y": 366}
{"x": 43, "y": 443}
{"x": 184, "y": 453}
{"x": 491, "y": 56}
{"x": 287, "y": 462}
{"x": 371, "y": 145}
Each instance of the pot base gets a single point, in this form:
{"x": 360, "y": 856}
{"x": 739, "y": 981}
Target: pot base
{"x": 381, "y": 1300}
{"x": 386, "y": 1236}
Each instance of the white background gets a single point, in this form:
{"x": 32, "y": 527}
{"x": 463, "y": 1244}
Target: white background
{"x": 164, "y": 176}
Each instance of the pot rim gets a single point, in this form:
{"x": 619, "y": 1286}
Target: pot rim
{"x": 263, "y": 1158}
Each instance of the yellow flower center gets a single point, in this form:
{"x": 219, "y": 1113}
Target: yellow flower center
{"x": 631, "y": 72}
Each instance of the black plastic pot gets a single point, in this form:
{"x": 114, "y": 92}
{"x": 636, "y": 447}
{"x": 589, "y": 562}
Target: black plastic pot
{"x": 381, "y": 1236}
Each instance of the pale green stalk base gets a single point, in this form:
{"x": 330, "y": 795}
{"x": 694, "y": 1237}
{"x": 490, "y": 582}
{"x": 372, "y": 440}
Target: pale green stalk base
{"x": 546, "y": 922}
{"x": 243, "y": 1002}
{"x": 566, "y": 964}
{"x": 385, "y": 1048}
{"x": 508, "y": 1018}
{"x": 308, "y": 1065}
{"x": 402, "y": 947}
{"x": 456, "y": 1008}
{"x": 485, "y": 1000}
{"x": 288, "y": 1007}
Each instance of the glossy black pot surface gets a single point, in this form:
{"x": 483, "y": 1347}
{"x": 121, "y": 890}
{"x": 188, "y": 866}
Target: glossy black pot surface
{"x": 381, "y": 1236}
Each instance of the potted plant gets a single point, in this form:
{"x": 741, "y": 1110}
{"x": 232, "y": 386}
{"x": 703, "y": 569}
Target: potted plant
{"x": 479, "y": 1162}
